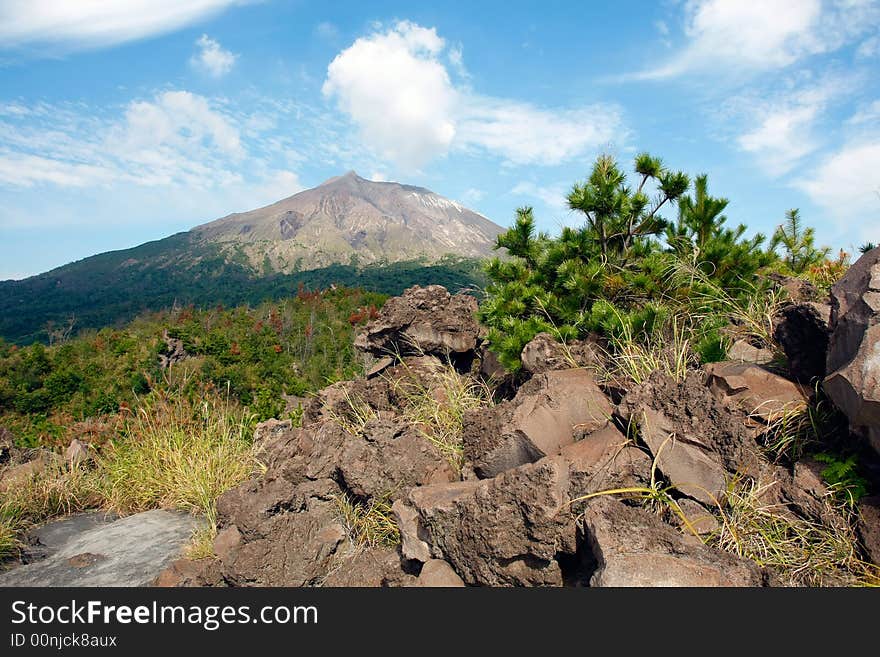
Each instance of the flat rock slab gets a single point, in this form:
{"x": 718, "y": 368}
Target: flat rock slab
{"x": 87, "y": 550}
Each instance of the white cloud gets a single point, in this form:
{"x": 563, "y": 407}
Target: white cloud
{"x": 733, "y": 36}
{"x": 553, "y": 196}
{"x": 782, "y": 128}
{"x": 92, "y": 23}
{"x": 397, "y": 90}
{"x": 847, "y": 185}
{"x": 212, "y": 58}
{"x": 173, "y": 141}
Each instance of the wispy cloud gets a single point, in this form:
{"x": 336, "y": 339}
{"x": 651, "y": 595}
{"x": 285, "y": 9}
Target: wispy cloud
{"x": 736, "y": 38}
{"x": 75, "y": 24}
{"x": 396, "y": 88}
{"x": 212, "y": 58}
{"x": 847, "y": 185}
{"x": 174, "y": 141}
{"x": 780, "y": 128}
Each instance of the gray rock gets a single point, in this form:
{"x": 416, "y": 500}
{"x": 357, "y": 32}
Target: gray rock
{"x": 130, "y": 551}
{"x": 743, "y": 352}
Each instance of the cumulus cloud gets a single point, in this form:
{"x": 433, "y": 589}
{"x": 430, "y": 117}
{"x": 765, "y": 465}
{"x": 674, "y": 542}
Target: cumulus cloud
{"x": 93, "y": 23}
{"x": 212, "y": 58}
{"x": 395, "y": 87}
{"x": 740, "y": 37}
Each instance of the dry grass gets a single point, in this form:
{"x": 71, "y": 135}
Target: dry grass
{"x": 439, "y": 411}
{"x": 751, "y": 319}
{"x": 367, "y": 524}
{"x": 805, "y": 553}
{"x": 355, "y": 416}
{"x": 633, "y": 358}
{"x": 56, "y": 490}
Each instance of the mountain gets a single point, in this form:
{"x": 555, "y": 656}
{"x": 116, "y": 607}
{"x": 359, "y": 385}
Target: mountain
{"x": 382, "y": 236}
{"x": 350, "y": 217}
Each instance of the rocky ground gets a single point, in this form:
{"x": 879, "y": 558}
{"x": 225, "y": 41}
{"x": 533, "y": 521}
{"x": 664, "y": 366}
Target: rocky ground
{"x": 559, "y": 477}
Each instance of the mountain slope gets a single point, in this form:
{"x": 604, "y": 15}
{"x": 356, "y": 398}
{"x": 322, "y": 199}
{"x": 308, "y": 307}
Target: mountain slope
{"x": 349, "y": 231}
{"x": 351, "y": 217}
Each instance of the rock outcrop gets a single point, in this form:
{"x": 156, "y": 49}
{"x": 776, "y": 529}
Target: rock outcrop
{"x": 425, "y": 321}
{"x": 546, "y": 488}
{"x": 853, "y": 364}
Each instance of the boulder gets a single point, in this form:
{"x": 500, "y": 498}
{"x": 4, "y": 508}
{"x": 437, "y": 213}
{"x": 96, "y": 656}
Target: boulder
{"x": 99, "y": 552}
{"x": 853, "y": 364}
{"x": 699, "y": 518}
{"x": 544, "y": 353}
{"x": 761, "y": 394}
{"x": 391, "y": 457}
{"x": 436, "y": 573}
{"x": 424, "y": 320}
{"x": 546, "y": 415}
{"x": 274, "y": 533}
{"x": 373, "y": 567}
{"x": 407, "y": 520}
{"x": 503, "y": 531}
{"x": 269, "y": 429}
{"x": 633, "y": 547}
{"x": 802, "y": 332}
{"x": 698, "y": 443}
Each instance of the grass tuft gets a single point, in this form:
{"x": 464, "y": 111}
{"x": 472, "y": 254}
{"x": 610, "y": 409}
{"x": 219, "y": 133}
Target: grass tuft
{"x": 367, "y": 524}
{"x": 805, "y": 553}
{"x": 438, "y": 411}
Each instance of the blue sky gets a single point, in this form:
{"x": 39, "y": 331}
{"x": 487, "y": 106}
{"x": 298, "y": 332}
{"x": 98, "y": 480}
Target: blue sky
{"x": 125, "y": 121}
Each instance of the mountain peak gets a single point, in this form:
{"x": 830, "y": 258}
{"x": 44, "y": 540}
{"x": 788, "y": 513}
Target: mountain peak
{"x": 348, "y": 176}
{"x": 349, "y": 217}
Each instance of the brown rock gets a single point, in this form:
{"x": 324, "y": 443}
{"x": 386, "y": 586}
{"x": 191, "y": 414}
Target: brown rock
{"x": 436, "y": 573}
{"x": 544, "y": 416}
{"x": 226, "y": 542}
{"x": 186, "y": 572}
{"x": 603, "y": 460}
{"x": 391, "y": 457}
{"x": 757, "y": 392}
{"x": 372, "y": 567}
{"x": 502, "y": 531}
{"x": 853, "y": 364}
{"x": 270, "y": 429}
{"x": 424, "y": 320}
{"x": 697, "y": 441}
{"x": 686, "y": 459}
{"x": 544, "y": 353}
{"x": 699, "y": 518}
{"x": 633, "y": 547}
